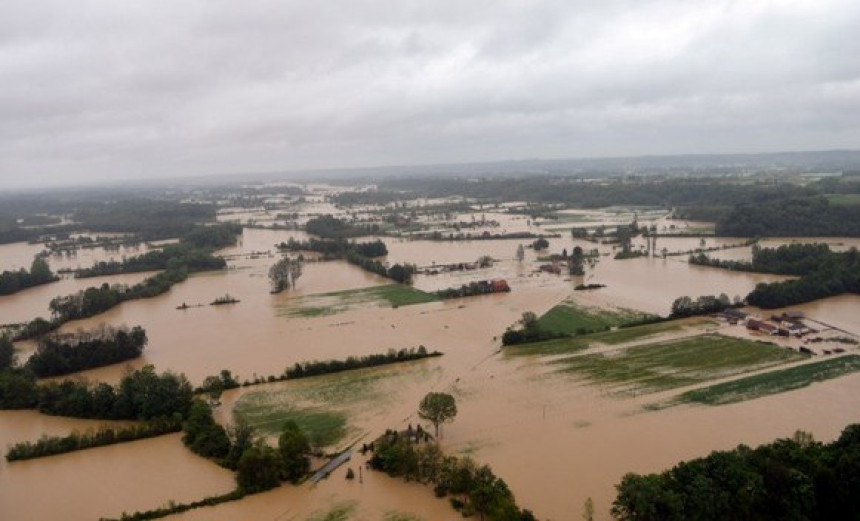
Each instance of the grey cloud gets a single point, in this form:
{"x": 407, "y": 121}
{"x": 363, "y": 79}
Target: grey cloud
{"x": 98, "y": 89}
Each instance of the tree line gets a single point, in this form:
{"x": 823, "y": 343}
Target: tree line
{"x": 63, "y": 354}
{"x": 401, "y": 273}
{"x": 336, "y": 248}
{"x": 796, "y": 478}
{"x": 704, "y": 305}
{"x": 140, "y": 395}
{"x": 174, "y": 256}
{"x": 316, "y": 368}
{"x": 52, "y": 445}
{"x": 149, "y": 219}
{"x": 791, "y": 217}
{"x": 822, "y": 273}
{"x": 14, "y": 281}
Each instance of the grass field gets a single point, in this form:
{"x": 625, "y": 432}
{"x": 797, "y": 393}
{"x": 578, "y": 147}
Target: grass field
{"x": 569, "y": 318}
{"x": 328, "y": 407}
{"x": 844, "y": 199}
{"x": 668, "y": 365}
{"x": 619, "y": 336}
{"x": 322, "y": 304}
{"x": 772, "y": 382}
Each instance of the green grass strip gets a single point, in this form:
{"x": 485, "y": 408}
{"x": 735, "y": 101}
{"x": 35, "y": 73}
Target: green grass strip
{"x": 773, "y": 382}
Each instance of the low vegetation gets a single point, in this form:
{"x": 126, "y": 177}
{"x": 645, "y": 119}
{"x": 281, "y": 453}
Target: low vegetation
{"x": 572, "y": 319}
{"x": 322, "y": 304}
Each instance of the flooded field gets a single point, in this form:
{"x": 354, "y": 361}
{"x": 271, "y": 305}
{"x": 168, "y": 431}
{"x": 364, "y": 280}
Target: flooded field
{"x": 556, "y": 437}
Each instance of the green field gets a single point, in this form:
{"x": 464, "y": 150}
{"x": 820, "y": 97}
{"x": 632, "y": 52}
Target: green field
{"x": 322, "y": 304}
{"x": 772, "y": 382}
{"x": 572, "y": 319}
{"x": 570, "y": 345}
{"x": 668, "y": 365}
{"x": 844, "y": 199}
{"x": 328, "y": 407}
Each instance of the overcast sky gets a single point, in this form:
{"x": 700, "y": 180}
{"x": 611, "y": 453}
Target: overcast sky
{"x": 123, "y": 90}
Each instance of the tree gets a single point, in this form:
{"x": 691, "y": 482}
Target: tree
{"x": 437, "y": 408}
{"x": 259, "y": 468}
{"x": 588, "y": 510}
{"x": 213, "y": 387}
{"x": 540, "y": 244}
{"x": 294, "y": 448}
{"x": 241, "y": 435}
{"x": 284, "y": 274}
{"x": 7, "y": 353}
{"x": 202, "y": 435}
{"x": 521, "y": 253}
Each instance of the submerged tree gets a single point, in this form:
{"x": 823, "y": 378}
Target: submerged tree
{"x": 437, "y": 408}
{"x": 521, "y": 253}
{"x": 284, "y": 274}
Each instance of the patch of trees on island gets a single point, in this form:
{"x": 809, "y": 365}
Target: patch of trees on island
{"x": 330, "y": 227}
{"x": 473, "y": 489}
{"x": 795, "y": 478}
{"x": 14, "y": 281}
{"x": 332, "y": 249}
{"x": 822, "y": 273}
{"x": 63, "y": 354}
{"x": 172, "y": 256}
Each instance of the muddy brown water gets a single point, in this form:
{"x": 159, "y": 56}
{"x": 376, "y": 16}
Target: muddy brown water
{"x": 555, "y": 441}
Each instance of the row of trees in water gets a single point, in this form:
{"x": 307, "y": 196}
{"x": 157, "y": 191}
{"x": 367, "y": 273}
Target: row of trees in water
{"x": 49, "y": 446}
{"x": 795, "y": 478}
{"x": 14, "y": 281}
{"x": 191, "y": 255}
{"x": 63, "y": 354}
{"x": 401, "y": 273}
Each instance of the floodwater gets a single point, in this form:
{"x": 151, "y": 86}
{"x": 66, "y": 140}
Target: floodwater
{"x": 554, "y": 441}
